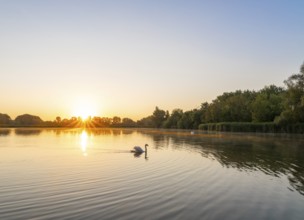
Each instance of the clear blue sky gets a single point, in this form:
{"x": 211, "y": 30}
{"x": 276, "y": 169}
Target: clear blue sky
{"x": 126, "y": 57}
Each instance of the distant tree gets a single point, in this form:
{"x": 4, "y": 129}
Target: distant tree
{"x": 106, "y": 122}
{"x": 230, "y": 107}
{"x": 75, "y": 122}
{"x": 128, "y": 122}
{"x": 96, "y": 121}
{"x": 294, "y": 99}
{"x": 186, "y": 121}
{"x": 159, "y": 116}
{"x": 205, "y": 116}
{"x": 268, "y": 104}
{"x": 116, "y": 120}
{"x": 58, "y": 119}
{"x": 5, "y": 119}
{"x": 28, "y": 120}
{"x": 172, "y": 121}
{"x": 167, "y": 115}
{"x": 147, "y": 122}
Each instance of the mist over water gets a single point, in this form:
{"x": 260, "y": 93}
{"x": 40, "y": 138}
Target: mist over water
{"x": 82, "y": 174}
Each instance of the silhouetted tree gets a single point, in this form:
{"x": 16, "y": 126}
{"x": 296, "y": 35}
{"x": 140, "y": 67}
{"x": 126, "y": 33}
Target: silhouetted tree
{"x": 58, "y": 119}
{"x": 147, "y": 122}
{"x": 128, "y": 122}
{"x": 28, "y": 120}
{"x": 5, "y": 119}
{"x": 116, "y": 120}
{"x": 159, "y": 116}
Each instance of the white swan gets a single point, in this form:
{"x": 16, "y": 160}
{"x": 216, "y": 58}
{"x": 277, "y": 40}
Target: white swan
{"x": 138, "y": 149}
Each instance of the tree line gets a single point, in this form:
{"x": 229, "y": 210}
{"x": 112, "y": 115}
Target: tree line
{"x": 27, "y": 120}
{"x": 272, "y": 106}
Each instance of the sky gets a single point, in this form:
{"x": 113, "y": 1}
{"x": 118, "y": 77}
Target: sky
{"x": 124, "y": 58}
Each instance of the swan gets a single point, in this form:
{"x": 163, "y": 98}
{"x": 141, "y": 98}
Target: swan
{"x": 138, "y": 149}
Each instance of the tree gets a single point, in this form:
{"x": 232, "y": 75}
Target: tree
{"x": 294, "y": 99}
{"x": 159, "y": 116}
{"x": 27, "y": 119}
{"x": 268, "y": 104}
{"x": 205, "y": 113}
{"x": 58, "y": 119}
{"x": 172, "y": 121}
{"x": 105, "y": 121}
{"x": 230, "y": 107}
{"x": 127, "y": 122}
{"x": 196, "y": 118}
{"x": 186, "y": 121}
{"x": 116, "y": 120}
{"x": 5, "y": 119}
{"x": 147, "y": 122}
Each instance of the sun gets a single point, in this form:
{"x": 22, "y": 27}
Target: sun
{"x": 84, "y": 109}
{"x": 84, "y": 112}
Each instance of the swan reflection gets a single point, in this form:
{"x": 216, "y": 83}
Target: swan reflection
{"x": 138, "y": 154}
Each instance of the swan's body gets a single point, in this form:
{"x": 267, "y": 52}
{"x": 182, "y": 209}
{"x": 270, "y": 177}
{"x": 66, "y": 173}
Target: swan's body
{"x": 138, "y": 149}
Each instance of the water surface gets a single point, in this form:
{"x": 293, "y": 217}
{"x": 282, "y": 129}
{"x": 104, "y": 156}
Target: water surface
{"x": 91, "y": 174}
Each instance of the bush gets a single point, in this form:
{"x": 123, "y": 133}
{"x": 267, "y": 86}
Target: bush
{"x": 267, "y": 127}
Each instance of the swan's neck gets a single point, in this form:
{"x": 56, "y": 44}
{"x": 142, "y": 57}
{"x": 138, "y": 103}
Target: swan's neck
{"x": 146, "y": 148}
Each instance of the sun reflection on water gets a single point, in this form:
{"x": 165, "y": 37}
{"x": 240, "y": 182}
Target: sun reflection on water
{"x": 84, "y": 142}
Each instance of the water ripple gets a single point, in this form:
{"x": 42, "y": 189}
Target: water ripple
{"x": 184, "y": 177}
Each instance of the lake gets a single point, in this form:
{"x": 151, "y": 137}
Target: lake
{"x": 91, "y": 174}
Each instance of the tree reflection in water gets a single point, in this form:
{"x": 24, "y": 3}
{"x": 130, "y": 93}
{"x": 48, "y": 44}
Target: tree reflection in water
{"x": 5, "y": 131}
{"x": 27, "y": 131}
{"x": 272, "y": 155}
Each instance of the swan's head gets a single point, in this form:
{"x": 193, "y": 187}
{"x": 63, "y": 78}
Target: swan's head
{"x": 146, "y": 145}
